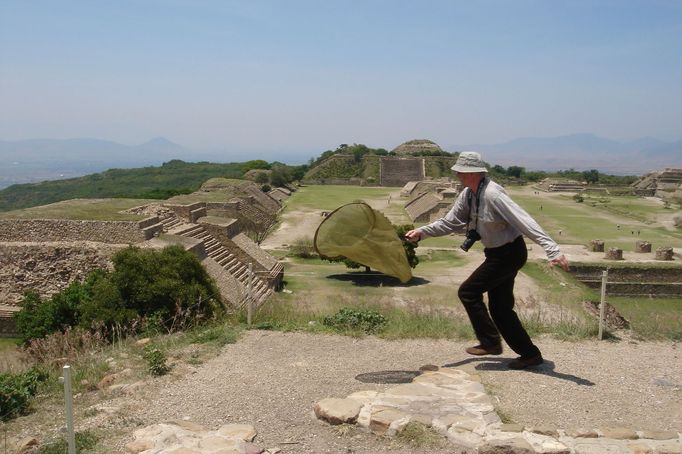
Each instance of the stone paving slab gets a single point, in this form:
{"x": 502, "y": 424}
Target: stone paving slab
{"x": 454, "y": 403}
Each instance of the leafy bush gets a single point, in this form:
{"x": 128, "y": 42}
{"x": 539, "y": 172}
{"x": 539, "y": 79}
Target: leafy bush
{"x": 17, "y": 390}
{"x": 169, "y": 287}
{"x": 171, "y": 282}
{"x": 156, "y": 361}
{"x": 347, "y": 319}
{"x": 38, "y": 318}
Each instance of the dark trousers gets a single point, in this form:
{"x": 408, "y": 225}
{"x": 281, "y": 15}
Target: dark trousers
{"x": 496, "y": 276}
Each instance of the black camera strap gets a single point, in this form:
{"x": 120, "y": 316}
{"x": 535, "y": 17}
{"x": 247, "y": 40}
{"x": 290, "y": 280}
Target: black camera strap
{"x": 479, "y": 189}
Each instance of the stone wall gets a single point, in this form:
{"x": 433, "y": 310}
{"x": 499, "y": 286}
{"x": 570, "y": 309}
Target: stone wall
{"x": 633, "y": 281}
{"x": 399, "y": 171}
{"x": 47, "y": 267}
{"x": 31, "y": 230}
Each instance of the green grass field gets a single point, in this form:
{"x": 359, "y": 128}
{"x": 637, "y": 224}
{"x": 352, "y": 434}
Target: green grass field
{"x": 317, "y": 293}
{"x": 331, "y": 197}
{"x": 81, "y": 209}
{"x": 570, "y": 222}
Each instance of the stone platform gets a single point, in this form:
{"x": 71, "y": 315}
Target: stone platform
{"x": 454, "y": 403}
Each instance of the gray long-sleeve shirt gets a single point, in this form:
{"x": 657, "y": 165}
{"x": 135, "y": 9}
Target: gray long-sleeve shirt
{"x": 498, "y": 219}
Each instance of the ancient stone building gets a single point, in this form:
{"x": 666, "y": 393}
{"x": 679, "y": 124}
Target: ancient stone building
{"x": 561, "y": 184}
{"x": 431, "y": 205}
{"x": 48, "y": 254}
{"x": 664, "y": 184}
{"x": 397, "y": 171}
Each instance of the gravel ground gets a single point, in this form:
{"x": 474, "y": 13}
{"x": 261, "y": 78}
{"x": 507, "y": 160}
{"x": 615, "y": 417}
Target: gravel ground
{"x": 272, "y": 379}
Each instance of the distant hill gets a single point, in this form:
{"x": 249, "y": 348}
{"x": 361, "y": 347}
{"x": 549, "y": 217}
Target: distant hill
{"x": 27, "y": 161}
{"x": 582, "y": 152}
{"x": 172, "y": 178}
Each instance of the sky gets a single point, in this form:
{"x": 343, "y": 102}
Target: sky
{"x": 292, "y": 75}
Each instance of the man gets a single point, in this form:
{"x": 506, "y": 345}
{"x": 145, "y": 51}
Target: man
{"x": 484, "y": 211}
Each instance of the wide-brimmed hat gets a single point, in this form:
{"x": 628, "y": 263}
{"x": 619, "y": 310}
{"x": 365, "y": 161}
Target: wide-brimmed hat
{"x": 469, "y": 162}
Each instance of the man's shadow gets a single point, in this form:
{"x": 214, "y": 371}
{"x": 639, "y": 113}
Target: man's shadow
{"x": 500, "y": 364}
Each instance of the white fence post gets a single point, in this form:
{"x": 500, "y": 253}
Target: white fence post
{"x": 249, "y": 295}
{"x": 68, "y": 398}
{"x": 602, "y": 304}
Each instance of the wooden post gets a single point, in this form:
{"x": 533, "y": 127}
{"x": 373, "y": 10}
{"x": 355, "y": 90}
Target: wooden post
{"x": 249, "y": 296}
{"x": 68, "y": 398}
{"x": 602, "y": 304}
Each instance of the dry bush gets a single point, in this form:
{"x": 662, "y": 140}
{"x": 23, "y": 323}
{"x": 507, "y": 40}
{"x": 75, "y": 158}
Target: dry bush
{"x": 62, "y": 347}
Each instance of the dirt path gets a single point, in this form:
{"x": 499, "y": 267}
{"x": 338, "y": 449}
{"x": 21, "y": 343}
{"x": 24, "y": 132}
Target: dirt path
{"x": 272, "y": 380}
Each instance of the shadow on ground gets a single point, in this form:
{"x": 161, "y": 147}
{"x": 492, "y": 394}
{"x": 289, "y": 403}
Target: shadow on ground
{"x": 374, "y": 279}
{"x": 501, "y": 364}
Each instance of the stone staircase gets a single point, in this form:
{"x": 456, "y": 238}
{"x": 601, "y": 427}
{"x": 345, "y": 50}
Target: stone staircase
{"x": 228, "y": 262}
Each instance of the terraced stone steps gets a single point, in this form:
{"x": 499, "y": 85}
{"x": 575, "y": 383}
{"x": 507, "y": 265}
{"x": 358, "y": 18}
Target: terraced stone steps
{"x": 229, "y": 262}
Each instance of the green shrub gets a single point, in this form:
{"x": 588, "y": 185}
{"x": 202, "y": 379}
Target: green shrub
{"x": 17, "y": 390}
{"x": 347, "y": 319}
{"x": 156, "y": 361}
{"x": 169, "y": 287}
{"x": 171, "y": 283}
{"x": 38, "y": 318}
{"x": 85, "y": 441}
{"x": 219, "y": 335}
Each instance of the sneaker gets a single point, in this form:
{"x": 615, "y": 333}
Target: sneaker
{"x": 480, "y": 350}
{"x": 529, "y": 361}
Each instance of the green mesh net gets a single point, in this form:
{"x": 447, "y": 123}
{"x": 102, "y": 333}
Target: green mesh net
{"x": 364, "y": 235}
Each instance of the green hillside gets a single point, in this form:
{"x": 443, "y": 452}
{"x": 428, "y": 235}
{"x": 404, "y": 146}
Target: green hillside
{"x": 172, "y": 178}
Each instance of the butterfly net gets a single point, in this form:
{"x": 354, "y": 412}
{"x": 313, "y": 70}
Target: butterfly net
{"x": 358, "y": 232}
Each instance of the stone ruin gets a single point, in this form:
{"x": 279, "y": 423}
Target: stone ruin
{"x": 561, "y": 185}
{"x": 431, "y": 205}
{"x": 48, "y": 254}
{"x": 642, "y": 246}
{"x": 664, "y": 184}
{"x": 664, "y": 253}
{"x": 397, "y": 171}
{"x": 597, "y": 246}
{"x": 614, "y": 253}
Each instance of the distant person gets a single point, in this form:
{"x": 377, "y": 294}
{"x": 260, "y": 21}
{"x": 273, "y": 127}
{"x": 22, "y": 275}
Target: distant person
{"x": 484, "y": 211}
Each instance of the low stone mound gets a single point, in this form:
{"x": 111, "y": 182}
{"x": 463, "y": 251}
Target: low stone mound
{"x": 216, "y": 184}
{"x": 417, "y": 146}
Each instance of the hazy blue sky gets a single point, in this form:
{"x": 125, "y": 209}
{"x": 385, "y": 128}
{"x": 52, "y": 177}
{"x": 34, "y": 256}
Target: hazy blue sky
{"x": 308, "y": 75}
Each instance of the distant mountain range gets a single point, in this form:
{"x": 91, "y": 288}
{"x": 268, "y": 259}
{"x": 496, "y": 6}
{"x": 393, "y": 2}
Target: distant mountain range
{"x": 582, "y": 152}
{"x": 28, "y": 161}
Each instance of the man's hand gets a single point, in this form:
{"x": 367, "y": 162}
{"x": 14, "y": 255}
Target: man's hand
{"x": 561, "y": 261}
{"x": 413, "y": 236}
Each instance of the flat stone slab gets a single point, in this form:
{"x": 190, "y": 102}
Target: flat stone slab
{"x": 338, "y": 411}
{"x": 454, "y": 403}
{"x": 183, "y": 437}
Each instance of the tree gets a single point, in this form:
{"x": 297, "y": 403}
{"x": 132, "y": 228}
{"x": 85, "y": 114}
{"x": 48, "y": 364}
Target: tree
{"x": 262, "y": 178}
{"x": 280, "y": 176}
{"x": 515, "y": 171}
{"x": 591, "y": 176}
{"x": 255, "y": 164}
